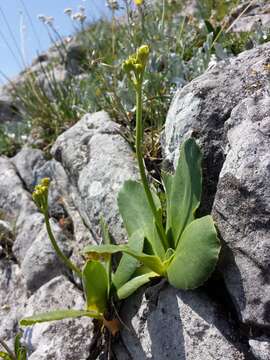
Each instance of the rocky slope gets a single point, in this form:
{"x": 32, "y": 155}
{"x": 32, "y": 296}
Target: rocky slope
{"x": 227, "y": 109}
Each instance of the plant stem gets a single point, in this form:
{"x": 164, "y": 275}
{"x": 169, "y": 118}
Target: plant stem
{"x": 58, "y": 251}
{"x": 163, "y": 14}
{"x": 139, "y": 137}
{"x": 10, "y": 352}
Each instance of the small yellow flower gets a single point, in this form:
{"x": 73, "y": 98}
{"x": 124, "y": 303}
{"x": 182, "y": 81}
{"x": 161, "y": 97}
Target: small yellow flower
{"x": 98, "y": 92}
{"x": 138, "y": 2}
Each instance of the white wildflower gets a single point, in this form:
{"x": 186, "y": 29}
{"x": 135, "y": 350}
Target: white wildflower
{"x": 48, "y": 20}
{"x": 78, "y": 17}
{"x": 41, "y": 17}
{"x": 68, "y": 11}
{"x": 112, "y": 4}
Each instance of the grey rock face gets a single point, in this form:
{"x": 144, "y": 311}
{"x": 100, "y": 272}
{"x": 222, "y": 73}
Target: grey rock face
{"x": 26, "y": 234}
{"x": 260, "y": 348}
{"x": 14, "y": 199}
{"x": 58, "y": 340}
{"x": 227, "y": 110}
{"x": 28, "y": 162}
{"x": 97, "y": 160}
{"x": 41, "y": 263}
{"x": 242, "y": 209}
{"x": 13, "y": 294}
{"x": 173, "y": 324}
{"x": 256, "y": 16}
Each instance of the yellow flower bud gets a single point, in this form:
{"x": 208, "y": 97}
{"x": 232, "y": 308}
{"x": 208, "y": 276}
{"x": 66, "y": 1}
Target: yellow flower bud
{"x": 45, "y": 182}
{"x": 138, "y": 67}
{"x": 43, "y": 189}
{"x": 138, "y": 2}
{"x": 38, "y": 188}
{"x": 142, "y": 54}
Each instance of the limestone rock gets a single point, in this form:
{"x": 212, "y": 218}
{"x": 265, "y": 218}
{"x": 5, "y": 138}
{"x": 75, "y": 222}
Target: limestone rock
{"x": 13, "y": 294}
{"x": 242, "y": 209}
{"x": 256, "y": 16}
{"x": 227, "y": 110}
{"x": 28, "y": 162}
{"x": 58, "y": 340}
{"x": 26, "y": 234}
{"x": 97, "y": 161}
{"x": 172, "y": 324}
{"x": 14, "y": 199}
{"x": 41, "y": 263}
{"x": 260, "y": 348}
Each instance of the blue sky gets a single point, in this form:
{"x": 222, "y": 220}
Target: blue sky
{"x": 22, "y": 39}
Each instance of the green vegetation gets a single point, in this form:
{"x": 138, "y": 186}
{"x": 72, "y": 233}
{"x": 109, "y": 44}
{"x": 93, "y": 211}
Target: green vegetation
{"x": 181, "y": 49}
{"x": 165, "y": 239}
{"x": 19, "y": 353}
{"x": 7, "y": 145}
{"x": 178, "y": 246}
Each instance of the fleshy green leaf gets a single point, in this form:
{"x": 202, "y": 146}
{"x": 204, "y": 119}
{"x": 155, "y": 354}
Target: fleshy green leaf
{"x": 128, "y": 264}
{"x": 196, "y": 255}
{"x": 131, "y": 286}
{"x": 151, "y": 261}
{"x": 95, "y": 284}
{"x": 183, "y": 190}
{"x": 137, "y": 214}
{"x": 58, "y": 315}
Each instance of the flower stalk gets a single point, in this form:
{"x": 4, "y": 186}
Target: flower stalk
{"x": 40, "y": 197}
{"x": 134, "y": 66}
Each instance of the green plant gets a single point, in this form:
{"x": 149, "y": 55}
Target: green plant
{"x": 186, "y": 249}
{"x": 95, "y": 275}
{"x": 8, "y": 145}
{"x": 19, "y": 353}
{"x": 49, "y": 107}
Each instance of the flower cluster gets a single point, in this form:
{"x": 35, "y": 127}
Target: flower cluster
{"x": 78, "y": 16}
{"x": 47, "y": 20}
{"x": 134, "y": 66}
{"x": 138, "y": 2}
{"x": 112, "y": 5}
{"x": 40, "y": 194}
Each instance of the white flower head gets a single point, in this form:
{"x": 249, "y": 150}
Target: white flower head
{"x": 78, "y": 17}
{"x": 112, "y": 4}
{"x": 48, "y": 20}
{"x": 68, "y": 11}
{"x": 41, "y": 17}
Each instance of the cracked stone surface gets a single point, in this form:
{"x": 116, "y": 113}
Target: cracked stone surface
{"x": 28, "y": 162}
{"x": 97, "y": 160}
{"x": 227, "y": 111}
{"x": 13, "y": 294}
{"x": 58, "y": 340}
{"x": 260, "y": 348}
{"x": 175, "y": 325}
